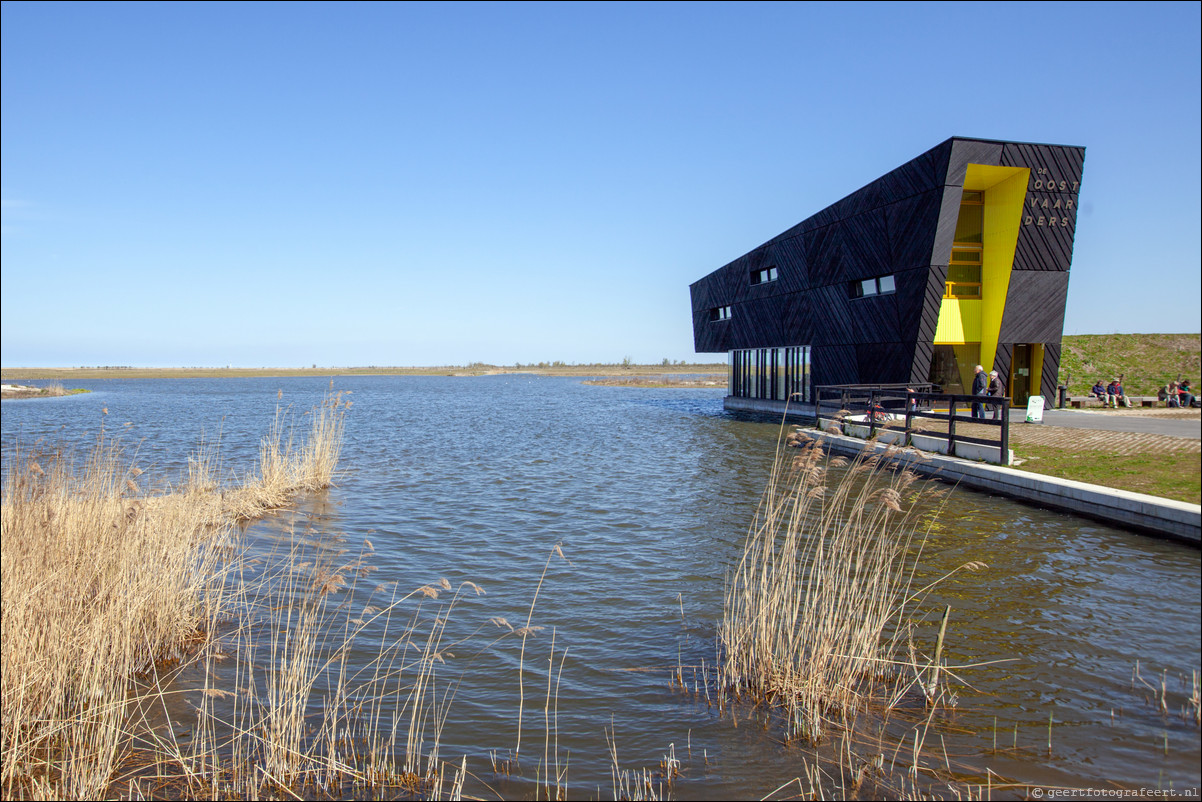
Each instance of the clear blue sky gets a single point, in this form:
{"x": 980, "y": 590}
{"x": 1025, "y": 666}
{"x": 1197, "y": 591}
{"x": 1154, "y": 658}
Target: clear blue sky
{"x": 343, "y": 184}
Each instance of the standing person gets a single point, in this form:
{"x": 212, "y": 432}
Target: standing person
{"x": 980, "y": 385}
{"x": 996, "y": 390}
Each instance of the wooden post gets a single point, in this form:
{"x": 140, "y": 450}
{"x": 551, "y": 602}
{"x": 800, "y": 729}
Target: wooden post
{"x": 951, "y": 428}
{"x": 871, "y": 414}
{"x": 910, "y": 401}
{"x": 1005, "y": 455}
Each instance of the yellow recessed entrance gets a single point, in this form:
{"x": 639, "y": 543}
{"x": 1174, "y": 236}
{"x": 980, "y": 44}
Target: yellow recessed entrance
{"x": 982, "y": 257}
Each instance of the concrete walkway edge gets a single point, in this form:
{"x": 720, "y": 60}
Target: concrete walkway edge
{"x": 1161, "y": 517}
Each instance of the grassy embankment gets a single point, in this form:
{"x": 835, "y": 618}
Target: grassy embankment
{"x": 1147, "y": 362}
{"x": 1175, "y": 476}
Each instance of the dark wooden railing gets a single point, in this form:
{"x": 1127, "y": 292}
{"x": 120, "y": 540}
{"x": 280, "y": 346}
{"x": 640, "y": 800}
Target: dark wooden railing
{"x": 915, "y": 401}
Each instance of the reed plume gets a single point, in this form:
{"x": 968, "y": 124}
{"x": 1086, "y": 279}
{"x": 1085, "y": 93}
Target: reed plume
{"x": 101, "y": 581}
{"x": 812, "y": 613}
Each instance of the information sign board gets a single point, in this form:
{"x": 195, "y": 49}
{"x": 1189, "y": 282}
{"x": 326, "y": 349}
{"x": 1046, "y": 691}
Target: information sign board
{"x": 1035, "y": 409}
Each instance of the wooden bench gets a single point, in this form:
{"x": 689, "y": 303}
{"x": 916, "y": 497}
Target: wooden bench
{"x": 1083, "y": 401}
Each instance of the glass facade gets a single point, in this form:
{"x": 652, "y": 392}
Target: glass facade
{"x": 952, "y": 367}
{"x": 776, "y": 374}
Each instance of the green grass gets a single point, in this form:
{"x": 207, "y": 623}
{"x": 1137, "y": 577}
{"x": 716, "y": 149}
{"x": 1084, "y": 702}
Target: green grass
{"x": 1146, "y": 361}
{"x": 1173, "y": 476}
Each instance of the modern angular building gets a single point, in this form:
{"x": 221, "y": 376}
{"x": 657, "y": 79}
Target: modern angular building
{"x": 957, "y": 258}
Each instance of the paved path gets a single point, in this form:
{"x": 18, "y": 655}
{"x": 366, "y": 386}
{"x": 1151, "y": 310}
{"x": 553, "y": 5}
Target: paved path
{"x": 1139, "y": 430}
{"x": 1115, "y": 431}
{"x": 1168, "y": 422}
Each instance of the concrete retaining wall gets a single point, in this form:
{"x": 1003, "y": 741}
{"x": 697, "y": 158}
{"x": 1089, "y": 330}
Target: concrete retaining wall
{"x": 760, "y": 406}
{"x": 1157, "y": 516}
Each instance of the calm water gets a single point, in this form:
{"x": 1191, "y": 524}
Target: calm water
{"x": 649, "y": 493}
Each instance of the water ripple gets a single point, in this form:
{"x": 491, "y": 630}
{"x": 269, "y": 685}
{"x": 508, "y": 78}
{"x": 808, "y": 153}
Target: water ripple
{"x": 649, "y": 494}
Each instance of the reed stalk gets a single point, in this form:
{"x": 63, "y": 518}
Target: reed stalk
{"x": 306, "y": 719}
{"x": 525, "y": 632}
{"x": 102, "y": 581}
{"x": 814, "y": 612}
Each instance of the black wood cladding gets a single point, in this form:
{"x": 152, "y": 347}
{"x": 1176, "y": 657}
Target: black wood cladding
{"x": 902, "y": 225}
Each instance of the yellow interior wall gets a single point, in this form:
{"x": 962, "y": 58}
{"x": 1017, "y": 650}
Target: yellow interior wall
{"x": 959, "y": 322}
{"x": 980, "y": 320}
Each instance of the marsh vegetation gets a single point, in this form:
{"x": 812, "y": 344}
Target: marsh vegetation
{"x": 107, "y": 583}
{"x": 51, "y": 389}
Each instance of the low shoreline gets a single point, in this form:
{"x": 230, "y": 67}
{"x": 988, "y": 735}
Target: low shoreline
{"x": 477, "y": 369}
{"x": 13, "y": 391}
{"x": 661, "y": 381}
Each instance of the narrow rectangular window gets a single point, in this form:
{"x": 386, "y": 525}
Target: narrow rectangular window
{"x": 881, "y": 285}
{"x": 763, "y": 276}
{"x": 719, "y": 313}
{"x": 796, "y": 360}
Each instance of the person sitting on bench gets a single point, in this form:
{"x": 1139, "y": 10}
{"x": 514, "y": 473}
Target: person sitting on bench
{"x": 1185, "y": 395}
{"x": 1168, "y": 395}
{"x": 1115, "y": 396}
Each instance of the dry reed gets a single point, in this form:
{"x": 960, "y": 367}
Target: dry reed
{"x": 643, "y": 784}
{"x": 814, "y": 613}
{"x": 302, "y": 719}
{"x": 101, "y": 582}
